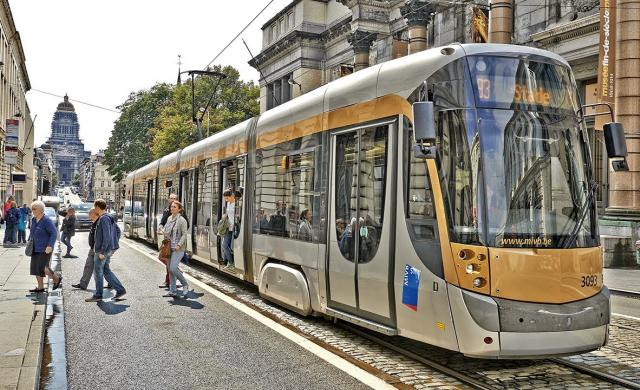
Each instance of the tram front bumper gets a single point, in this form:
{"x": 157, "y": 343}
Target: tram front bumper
{"x": 529, "y": 330}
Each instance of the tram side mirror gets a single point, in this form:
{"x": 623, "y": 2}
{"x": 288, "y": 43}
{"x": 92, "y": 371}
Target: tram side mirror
{"x": 616, "y": 145}
{"x": 424, "y": 130}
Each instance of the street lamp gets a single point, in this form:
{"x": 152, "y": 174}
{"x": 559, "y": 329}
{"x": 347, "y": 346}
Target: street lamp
{"x": 291, "y": 81}
{"x": 193, "y": 73}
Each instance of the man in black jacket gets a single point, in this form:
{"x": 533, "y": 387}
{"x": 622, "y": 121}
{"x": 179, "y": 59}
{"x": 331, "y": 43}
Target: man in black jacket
{"x": 167, "y": 212}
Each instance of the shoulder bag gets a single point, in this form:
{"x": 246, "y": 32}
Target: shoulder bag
{"x": 165, "y": 246}
{"x": 28, "y": 250}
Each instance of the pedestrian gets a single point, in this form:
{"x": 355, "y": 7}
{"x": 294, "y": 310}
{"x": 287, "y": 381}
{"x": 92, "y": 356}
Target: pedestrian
{"x": 176, "y": 231}
{"x": 230, "y": 215}
{"x": 12, "y": 216}
{"x": 163, "y": 221}
{"x": 7, "y": 205}
{"x": 88, "y": 264}
{"x": 106, "y": 243}
{"x": 68, "y": 230}
{"x": 22, "y": 224}
{"x": 44, "y": 235}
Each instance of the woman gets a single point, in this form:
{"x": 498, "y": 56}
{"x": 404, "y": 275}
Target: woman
{"x": 305, "y": 231}
{"x": 44, "y": 235}
{"x": 22, "y": 224}
{"x": 176, "y": 231}
{"x": 68, "y": 230}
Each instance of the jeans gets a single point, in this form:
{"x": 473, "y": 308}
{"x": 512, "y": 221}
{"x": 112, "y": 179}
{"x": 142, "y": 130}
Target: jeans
{"x": 22, "y": 235}
{"x": 88, "y": 270}
{"x": 227, "y": 247}
{"x": 9, "y": 234}
{"x": 66, "y": 239}
{"x": 102, "y": 270}
{"x": 174, "y": 272}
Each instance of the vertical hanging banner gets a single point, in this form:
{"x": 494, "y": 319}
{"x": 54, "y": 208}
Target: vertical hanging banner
{"x": 11, "y": 142}
{"x": 606, "y": 59}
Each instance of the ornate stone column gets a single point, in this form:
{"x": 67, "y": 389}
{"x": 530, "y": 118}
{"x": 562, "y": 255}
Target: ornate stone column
{"x": 418, "y": 15}
{"x": 361, "y": 42}
{"x": 500, "y": 21}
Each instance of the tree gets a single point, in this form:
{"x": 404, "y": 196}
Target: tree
{"x": 233, "y": 102}
{"x": 54, "y": 180}
{"x": 128, "y": 147}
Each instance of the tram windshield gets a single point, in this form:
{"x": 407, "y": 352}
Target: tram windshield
{"x": 515, "y": 171}
{"x": 534, "y": 155}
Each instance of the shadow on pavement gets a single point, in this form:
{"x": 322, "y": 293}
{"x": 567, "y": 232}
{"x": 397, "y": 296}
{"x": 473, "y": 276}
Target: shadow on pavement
{"x": 112, "y": 308}
{"x": 188, "y": 303}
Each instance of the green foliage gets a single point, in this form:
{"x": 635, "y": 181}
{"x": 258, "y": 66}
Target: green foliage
{"x": 128, "y": 148}
{"x": 233, "y": 101}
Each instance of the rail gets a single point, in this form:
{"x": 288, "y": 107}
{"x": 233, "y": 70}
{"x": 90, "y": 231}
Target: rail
{"x": 596, "y": 374}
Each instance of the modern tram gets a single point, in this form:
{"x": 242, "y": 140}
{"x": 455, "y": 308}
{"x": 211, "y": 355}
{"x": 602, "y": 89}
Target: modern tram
{"x": 481, "y": 238}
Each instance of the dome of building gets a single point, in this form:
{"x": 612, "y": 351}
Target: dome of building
{"x": 66, "y": 105}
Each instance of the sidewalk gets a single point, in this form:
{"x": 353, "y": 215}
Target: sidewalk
{"x": 622, "y": 279}
{"x": 22, "y": 316}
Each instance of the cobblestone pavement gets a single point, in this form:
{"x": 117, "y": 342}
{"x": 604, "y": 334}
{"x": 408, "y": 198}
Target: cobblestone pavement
{"x": 504, "y": 374}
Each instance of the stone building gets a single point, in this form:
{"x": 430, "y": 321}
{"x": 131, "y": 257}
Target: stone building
{"x": 68, "y": 149}
{"x": 96, "y": 181}
{"x": 312, "y": 42}
{"x": 14, "y": 84}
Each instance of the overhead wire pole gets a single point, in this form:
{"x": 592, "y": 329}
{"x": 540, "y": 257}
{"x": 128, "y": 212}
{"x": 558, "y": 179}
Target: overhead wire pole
{"x": 193, "y": 73}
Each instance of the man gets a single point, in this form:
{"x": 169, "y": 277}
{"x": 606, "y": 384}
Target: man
{"x": 278, "y": 221}
{"x": 88, "y": 264}
{"x": 106, "y": 242}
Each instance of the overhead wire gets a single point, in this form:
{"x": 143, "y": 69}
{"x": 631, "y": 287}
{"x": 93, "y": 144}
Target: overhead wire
{"x": 76, "y": 101}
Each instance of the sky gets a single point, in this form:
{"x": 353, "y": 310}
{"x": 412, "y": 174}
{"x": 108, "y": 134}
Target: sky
{"x": 100, "y": 51}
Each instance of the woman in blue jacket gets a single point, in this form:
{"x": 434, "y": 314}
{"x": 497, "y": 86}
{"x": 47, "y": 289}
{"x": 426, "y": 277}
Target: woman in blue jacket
{"x": 44, "y": 235}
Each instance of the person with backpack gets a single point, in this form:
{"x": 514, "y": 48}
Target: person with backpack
{"x": 107, "y": 239}
{"x": 22, "y": 224}
{"x": 12, "y": 216}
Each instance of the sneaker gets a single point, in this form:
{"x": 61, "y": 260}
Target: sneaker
{"x": 67, "y": 256}
{"x": 163, "y": 286}
{"x": 56, "y": 285}
{"x": 185, "y": 290}
{"x": 78, "y": 286}
{"x": 108, "y": 287}
{"x": 36, "y": 290}
{"x": 93, "y": 299}
{"x": 120, "y": 294}
{"x": 169, "y": 295}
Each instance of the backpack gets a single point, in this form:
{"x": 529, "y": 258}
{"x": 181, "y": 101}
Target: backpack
{"x": 11, "y": 217}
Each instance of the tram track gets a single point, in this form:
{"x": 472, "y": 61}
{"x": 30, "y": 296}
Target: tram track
{"x": 585, "y": 369}
{"x": 466, "y": 379}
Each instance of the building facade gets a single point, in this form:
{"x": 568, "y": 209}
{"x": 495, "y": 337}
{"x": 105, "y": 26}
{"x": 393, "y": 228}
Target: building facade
{"x": 16, "y": 155}
{"x": 68, "y": 149}
{"x": 312, "y": 42}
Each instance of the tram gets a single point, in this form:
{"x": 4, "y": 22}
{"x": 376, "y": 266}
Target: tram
{"x": 472, "y": 227}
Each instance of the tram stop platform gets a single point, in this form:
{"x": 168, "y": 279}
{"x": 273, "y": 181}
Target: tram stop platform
{"x": 22, "y": 320}
{"x": 623, "y": 279}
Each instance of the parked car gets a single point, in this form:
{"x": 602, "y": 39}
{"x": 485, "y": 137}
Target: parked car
{"x": 82, "y": 216}
{"x": 50, "y": 213}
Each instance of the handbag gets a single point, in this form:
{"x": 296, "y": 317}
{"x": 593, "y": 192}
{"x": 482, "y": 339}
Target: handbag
{"x": 28, "y": 250}
{"x": 223, "y": 225}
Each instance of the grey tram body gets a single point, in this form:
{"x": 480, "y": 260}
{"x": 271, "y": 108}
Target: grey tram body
{"x": 313, "y": 277}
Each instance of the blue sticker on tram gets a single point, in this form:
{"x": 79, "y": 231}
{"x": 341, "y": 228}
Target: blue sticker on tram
{"x": 410, "y": 287}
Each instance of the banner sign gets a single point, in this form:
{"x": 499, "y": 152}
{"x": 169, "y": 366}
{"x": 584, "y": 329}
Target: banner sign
{"x": 606, "y": 59}
{"x": 410, "y": 287}
{"x": 11, "y": 142}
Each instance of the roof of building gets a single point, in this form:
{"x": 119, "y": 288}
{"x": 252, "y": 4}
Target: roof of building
{"x": 66, "y": 105}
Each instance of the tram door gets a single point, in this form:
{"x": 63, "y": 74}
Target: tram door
{"x": 202, "y": 223}
{"x": 150, "y": 210}
{"x": 360, "y": 260}
{"x": 186, "y": 197}
{"x": 233, "y": 178}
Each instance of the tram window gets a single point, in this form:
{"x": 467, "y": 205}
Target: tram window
{"x": 285, "y": 190}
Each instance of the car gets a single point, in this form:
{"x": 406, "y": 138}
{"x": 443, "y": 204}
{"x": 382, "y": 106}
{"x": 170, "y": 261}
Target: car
{"x": 51, "y": 213}
{"x": 83, "y": 222}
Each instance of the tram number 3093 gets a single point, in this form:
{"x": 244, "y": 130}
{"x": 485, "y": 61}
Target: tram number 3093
{"x": 589, "y": 281}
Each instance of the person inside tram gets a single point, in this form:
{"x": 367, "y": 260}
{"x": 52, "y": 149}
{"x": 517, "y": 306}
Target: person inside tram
{"x": 340, "y": 226}
{"x": 262, "y": 223}
{"x": 347, "y": 243}
{"x": 305, "y": 230}
{"x": 230, "y": 214}
{"x": 278, "y": 221}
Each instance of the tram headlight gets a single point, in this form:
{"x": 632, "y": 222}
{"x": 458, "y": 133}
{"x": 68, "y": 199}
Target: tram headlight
{"x": 473, "y": 268}
{"x": 479, "y": 282}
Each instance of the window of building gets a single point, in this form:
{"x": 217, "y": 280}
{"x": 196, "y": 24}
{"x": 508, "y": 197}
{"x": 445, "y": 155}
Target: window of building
{"x": 279, "y": 91}
{"x": 292, "y": 20}
{"x": 283, "y": 25}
